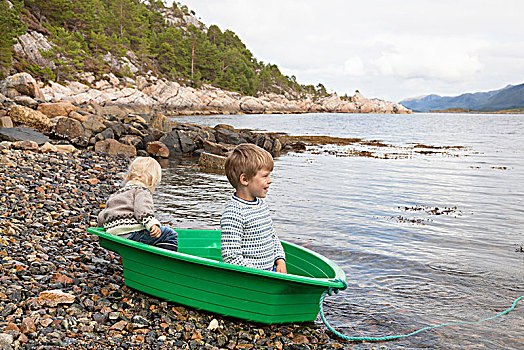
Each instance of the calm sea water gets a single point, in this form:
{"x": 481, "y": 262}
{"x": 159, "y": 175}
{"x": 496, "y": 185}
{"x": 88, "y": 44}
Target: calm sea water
{"x": 424, "y": 238}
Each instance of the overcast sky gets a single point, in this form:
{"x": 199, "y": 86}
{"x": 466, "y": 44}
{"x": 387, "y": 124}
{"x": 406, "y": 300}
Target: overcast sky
{"x": 388, "y": 49}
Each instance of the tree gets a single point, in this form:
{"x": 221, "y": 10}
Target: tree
{"x": 11, "y": 27}
{"x": 68, "y": 53}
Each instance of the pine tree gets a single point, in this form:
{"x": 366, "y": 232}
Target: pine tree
{"x": 11, "y": 27}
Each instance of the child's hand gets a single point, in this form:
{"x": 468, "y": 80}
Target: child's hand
{"x": 281, "y": 266}
{"x": 155, "y": 231}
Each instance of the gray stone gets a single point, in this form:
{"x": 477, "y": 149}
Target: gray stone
{"x": 227, "y": 135}
{"x": 21, "y": 133}
{"x": 26, "y": 101}
{"x": 172, "y": 141}
{"x": 118, "y": 129}
{"x": 186, "y": 141}
{"x": 106, "y": 134}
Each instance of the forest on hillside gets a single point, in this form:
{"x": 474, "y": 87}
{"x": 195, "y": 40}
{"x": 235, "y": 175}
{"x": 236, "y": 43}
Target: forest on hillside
{"x": 154, "y": 36}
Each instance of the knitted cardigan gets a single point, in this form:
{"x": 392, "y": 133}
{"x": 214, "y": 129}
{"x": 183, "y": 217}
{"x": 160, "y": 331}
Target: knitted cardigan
{"x": 248, "y": 236}
{"x": 130, "y": 209}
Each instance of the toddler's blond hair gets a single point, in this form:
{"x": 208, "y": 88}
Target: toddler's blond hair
{"x": 144, "y": 171}
{"x": 248, "y": 159}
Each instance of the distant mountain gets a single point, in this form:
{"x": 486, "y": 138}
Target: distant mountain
{"x": 509, "y": 97}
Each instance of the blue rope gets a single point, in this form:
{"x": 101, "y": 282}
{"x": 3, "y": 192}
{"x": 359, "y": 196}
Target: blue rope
{"x": 391, "y": 337}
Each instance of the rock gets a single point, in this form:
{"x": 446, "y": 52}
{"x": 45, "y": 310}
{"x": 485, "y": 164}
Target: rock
{"x": 114, "y": 147}
{"x": 25, "y": 145}
{"x": 26, "y": 101}
{"x": 54, "y": 297}
{"x": 65, "y": 148}
{"x": 172, "y": 141}
{"x": 72, "y": 130}
{"x": 56, "y": 109}
{"x": 118, "y": 129}
{"x": 5, "y": 145}
{"x": 187, "y": 143}
{"x": 6, "y": 341}
{"x": 252, "y": 105}
{"x": 20, "y": 84}
{"x": 211, "y": 162}
{"x": 21, "y": 133}
{"x": 227, "y": 134}
{"x": 94, "y": 125}
{"x": 157, "y": 149}
{"x": 213, "y": 325}
{"x": 27, "y": 325}
{"x": 214, "y": 148}
{"x": 47, "y": 147}
{"x": 132, "y": 140}
{"x": 31, "y": 45}
{"x": 161, "y": 122}
{"x": 29, "y": 117}
{"x": 105, "y": 135}
{"x": 6, "y": 122}
{"x": 77, "y": 116}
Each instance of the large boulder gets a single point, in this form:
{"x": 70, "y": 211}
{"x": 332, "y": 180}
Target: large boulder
{"x": 161, "y": 122}
{"x": 113, "y": 147}
{"x": 72, "y": 130}
{"x": 29, "y": 117}
{"x": 179, "y": 142}
{"x": 56, "y": 109}
{"x": 226, "y": 134}
{"x": 22, "y": 134}
{"x": 20, "y": 84}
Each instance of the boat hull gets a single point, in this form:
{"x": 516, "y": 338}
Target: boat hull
{"x": 196, "y": 277}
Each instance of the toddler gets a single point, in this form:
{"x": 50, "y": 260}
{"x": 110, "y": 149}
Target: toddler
{"x": 129, "y": 212}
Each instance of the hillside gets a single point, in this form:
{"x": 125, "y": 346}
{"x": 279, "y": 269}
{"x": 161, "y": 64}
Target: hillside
{"x": 509, "y": 97}
{"x": 129, "y": 38}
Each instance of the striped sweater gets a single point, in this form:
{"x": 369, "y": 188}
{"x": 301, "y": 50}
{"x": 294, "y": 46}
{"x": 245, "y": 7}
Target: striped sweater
{"x": 130, "y": 209}
{"x": 248, "y": 236}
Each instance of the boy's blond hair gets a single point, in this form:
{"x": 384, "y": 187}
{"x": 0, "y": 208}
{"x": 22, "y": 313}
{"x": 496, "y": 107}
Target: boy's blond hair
{"x": 248, "y": 159}
{"x": 144, "y": 171}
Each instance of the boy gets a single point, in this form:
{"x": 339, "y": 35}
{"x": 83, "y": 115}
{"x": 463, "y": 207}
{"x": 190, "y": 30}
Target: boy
{"x": 248, "y": 236}
{"x": 129, "y": 212}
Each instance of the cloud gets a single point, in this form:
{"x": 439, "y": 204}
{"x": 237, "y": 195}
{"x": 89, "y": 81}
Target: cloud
{"x": 354, "y": 66}
{"x": 427, "y": 57}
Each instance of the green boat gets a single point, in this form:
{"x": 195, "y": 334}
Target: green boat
{"x": 196, "y": 276}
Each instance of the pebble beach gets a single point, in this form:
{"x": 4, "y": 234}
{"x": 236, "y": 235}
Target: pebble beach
{"x": 60, "y": 289}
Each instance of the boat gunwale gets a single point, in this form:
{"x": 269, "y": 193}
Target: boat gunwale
{"x": 335, "y": 282}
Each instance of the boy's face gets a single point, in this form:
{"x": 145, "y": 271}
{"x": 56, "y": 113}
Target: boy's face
{"x": 258, "y": 185}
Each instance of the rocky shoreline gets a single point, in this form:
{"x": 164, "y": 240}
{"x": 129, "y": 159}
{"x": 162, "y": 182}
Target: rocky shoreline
{"x": 60, "y": 289}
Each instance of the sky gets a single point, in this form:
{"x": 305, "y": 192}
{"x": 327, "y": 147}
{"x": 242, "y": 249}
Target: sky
{"x": 387, "y": 49}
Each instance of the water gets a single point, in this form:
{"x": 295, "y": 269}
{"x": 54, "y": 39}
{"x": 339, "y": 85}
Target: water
{"x": 407, "y": 267}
